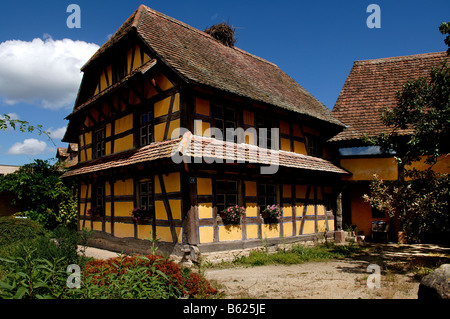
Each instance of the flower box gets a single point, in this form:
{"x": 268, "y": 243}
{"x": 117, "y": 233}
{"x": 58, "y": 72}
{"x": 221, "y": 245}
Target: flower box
{"x": 96, "y": 212}
{"x": 142, "y": 216}
{"x": 272, "y": 214}
{"x": 232, "y": 215}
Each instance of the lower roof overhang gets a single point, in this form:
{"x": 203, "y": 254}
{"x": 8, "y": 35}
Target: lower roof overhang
{"x": 191, "y": 148}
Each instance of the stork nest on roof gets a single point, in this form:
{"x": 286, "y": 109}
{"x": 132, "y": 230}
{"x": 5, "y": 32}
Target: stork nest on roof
{"x": 223, "y": 33}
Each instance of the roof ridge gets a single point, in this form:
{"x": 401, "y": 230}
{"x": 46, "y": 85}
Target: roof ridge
{"x": 191, "y": 28}
{"x": 398, "y": 58}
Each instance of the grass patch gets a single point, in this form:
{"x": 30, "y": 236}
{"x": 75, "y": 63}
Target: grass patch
{"x": 298, "y": 254}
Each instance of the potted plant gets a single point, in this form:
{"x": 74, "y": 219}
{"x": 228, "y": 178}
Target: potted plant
{"x": 272, "y": 213}
{"x": 233, "y": 214}
{"x": 141, "y": 215}
{"x": 95, "y": 212}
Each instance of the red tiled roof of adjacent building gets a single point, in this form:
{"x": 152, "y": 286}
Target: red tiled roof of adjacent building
{"x": 371, "y": 88}
{"x": 198, "y": 58}
{"x": 192, "y": 146}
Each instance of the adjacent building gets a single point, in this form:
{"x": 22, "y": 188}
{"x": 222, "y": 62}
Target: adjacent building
{"x": 370, "y": 88}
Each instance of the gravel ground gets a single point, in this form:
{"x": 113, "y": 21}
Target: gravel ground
{"x": 335, "y": 279}
{"x": 313, "y": 280}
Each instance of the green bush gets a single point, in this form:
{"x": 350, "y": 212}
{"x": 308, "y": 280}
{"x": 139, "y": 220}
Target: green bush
{"x": 13, "y": 230}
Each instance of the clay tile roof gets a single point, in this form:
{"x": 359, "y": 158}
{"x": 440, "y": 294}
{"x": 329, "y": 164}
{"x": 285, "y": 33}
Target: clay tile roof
{"x": 371, "y": 88}
{"x": 199, "y": 58}
{"x": 61, "y": 152}
{"x": 192, "y": 146}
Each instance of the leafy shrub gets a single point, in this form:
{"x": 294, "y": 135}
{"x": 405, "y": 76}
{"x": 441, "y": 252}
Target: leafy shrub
{"x": 41, "y": 194}
{"x": 178, "y": 282}
{"x": 30, "y": 278}
{"x": 13, "y": 230}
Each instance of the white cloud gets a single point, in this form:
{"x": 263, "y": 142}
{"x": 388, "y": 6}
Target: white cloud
{"x": 46, "y": 72}
{"x": 30, "y": 146}
{"x": 57, "y": 134}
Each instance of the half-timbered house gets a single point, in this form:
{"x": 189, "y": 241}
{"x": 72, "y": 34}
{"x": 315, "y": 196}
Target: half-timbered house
{"x": 146, "y": 105}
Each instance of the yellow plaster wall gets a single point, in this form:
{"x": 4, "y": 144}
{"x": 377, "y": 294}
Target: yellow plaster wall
{"x": 163, "y": 82}
{"x": 204, "y": 186}
{"x": 205, "y": 211}
{"x": 250, "y": 188}
{"x": 202, "y": 128}
{"x": 172, "y": 183}
{"x": 123, "y": 209}
{"x": 330, "y": 224}
{"x": 202, "y": 107}
{"x": 144, "y": 231}
{"x": 122, "y": 230}
{"x": 162, "y": 107}
{"x": 270, "y": 230}
{"x": 308, "y": 227}
{"x": 285, "y": 144}
{"x": 442, "y": 165}
{"x": 124, "y": 187}
{"x": 164, "y": 234}
{"x": 251, "y": 210}
{"x": 300, "y": 148}
{"x": 321, "y": 226}
{"x": 252, "y": 231}
{"x": 230, "y": 233}
{"x": 363, "y": 169}
{"x": 287, "y": 211}
{"x": 288, "y": 229}
{"x": 123, "y": 124}
{"x": 160, "y": 209}
{"x": 206, "y": 234}
{"x": 123, "y": 144}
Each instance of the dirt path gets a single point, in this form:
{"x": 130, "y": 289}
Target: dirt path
{"x": 337, "y": 279}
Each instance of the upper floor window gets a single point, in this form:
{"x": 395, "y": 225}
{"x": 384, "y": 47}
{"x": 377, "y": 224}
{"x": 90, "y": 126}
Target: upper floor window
{"x": 314, "y": 147}
{"x": 145, "y": 128}
{"x": 267, "y": 141}
{"x": 225, "y": 118}
{"x": 99, "y": 143}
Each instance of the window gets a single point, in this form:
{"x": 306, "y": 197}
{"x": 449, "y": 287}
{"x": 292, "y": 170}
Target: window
{"x": 99, "y": 143}
{"x": 145, "y": 198}
{"x": 268, "y": 124}
{"x": 376, "y": 213}
{"x": 226, "y": 194}
{"x": 98, "y": 198}
{"x": 313, "y": 147}
{"x": 145, "y": 128}
{"x": 267, "y": 195}
{"x": 225, "y": 117}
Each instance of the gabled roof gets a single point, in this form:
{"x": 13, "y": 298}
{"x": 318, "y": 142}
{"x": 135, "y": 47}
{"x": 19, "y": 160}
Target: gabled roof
{"x": 198, "y": 58}
{"x": 371, "y": 88}
{"x": 193, "y": 146}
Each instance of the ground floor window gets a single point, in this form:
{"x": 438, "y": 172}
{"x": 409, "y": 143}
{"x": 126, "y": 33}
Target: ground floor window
{"x": 266, "y": 196}
{"x": 145, "y": 198}
{"x": 226, "y": 194}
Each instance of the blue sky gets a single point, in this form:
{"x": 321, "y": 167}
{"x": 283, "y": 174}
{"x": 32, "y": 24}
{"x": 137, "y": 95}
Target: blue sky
{"x": 315, "y": 42}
